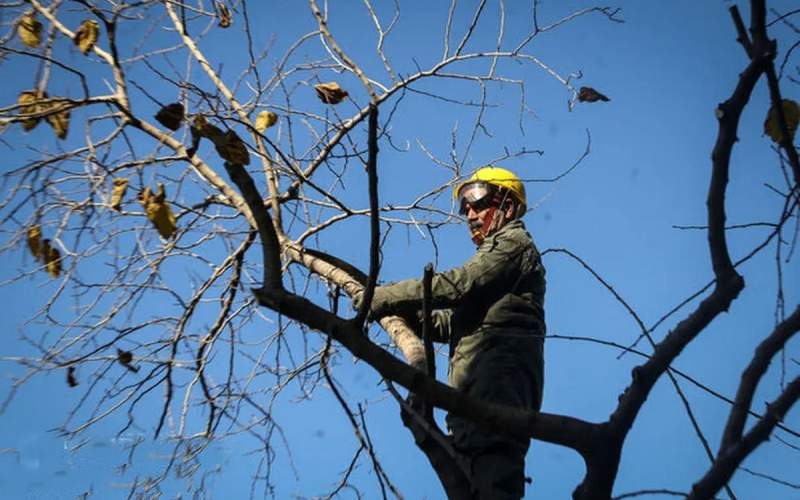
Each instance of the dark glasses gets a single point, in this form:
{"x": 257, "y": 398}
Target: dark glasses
{"x": 477, "y": 195}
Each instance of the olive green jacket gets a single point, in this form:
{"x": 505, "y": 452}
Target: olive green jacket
{"x": 490, "y": 311}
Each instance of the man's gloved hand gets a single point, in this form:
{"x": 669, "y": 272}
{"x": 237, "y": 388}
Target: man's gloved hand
{"x": 380, "y": 303}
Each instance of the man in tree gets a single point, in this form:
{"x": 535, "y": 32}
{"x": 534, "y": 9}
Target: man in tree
{"x": 491, "y": 311}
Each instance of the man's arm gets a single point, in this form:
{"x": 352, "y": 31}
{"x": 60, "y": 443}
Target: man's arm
{"x": 491, "y": 272}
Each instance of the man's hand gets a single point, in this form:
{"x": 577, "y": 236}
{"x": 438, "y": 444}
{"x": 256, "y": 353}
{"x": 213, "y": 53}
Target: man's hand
{"x": 380, "y": 303}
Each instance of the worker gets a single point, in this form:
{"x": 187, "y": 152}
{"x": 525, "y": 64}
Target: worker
{"x": 491, "y": 312}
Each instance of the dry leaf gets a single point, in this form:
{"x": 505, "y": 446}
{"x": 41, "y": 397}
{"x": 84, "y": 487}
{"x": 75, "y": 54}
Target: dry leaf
{"x": 791, "y": 114}
{"x": 330, "y": 93}
{"x": 265, "y": 120}
{"x": 52, "y": 259}
{"x": 224, "y": 15}
{"x": 60, "y": 120}
{"x": 29, "y": 103}
{"x": 86, "y": 35}
{"x": 158, "y": 211}
{"x": 118, "y": 193}
{"x": 231, "y": 148}
{"x": 29, "y": 30}
{"x": 71, "y": 380}
{"x": 35, "y": 241}
{"x": 588, "y": 94}
{"x": 171, "y": 116}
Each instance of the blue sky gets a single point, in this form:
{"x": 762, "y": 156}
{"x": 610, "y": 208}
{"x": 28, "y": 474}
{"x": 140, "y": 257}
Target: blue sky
{"x": 665, "y": 69}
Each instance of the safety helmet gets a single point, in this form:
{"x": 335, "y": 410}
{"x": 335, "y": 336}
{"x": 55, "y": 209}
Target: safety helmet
{"x": 479, "y": 185}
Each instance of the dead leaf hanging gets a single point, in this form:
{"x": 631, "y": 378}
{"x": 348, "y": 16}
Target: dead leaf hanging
{"x": 35, "y": 241}
{"x": 265, "y": 120}
{"x": 171, "y": 116}
{"x": 330, "y": 93}
{"x": 71, "y": 380}
{"x": 791, "y": 114}
{"x": 29, "y": 30}
{"x": 158, "y": 211}
{"x": 231, "y": 148}
{"x": 52, "y": 259}
{"x": 125, "y": 358}
{"x": 29, "y": 103}
{"x": 118, "y": 193}
{"x": 588, "y": 94}
{"x": 224, "y": 15}
{"x": 58, "y": 120}
{"x": 86, "y": 35}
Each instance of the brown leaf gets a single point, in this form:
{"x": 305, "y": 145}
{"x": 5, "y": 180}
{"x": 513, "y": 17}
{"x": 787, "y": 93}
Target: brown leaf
{"x": 224, "y": 15}
{"x": 588, "y": 94}
{"x": 330, "y": 93}
{"x": 158, "y": 211}
{"x": 52, "y": 259}
{"x": 791, "y": 115}
{"x": 118, "y": 193}
{"x": 231, "y": 148}
{"x": 30, "y": 103}
{"x": 60, "y": 120}
{"x": 265, "y": 120}
{"x": 171, "y": 116}
{"x": 86, "y": 35}
{"x": 35, "y": 241}
{"x": 29, "y": 30}
{"x": 71, "y": 380}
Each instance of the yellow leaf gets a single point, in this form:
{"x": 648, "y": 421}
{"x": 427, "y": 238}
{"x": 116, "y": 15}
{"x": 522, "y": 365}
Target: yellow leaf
{"x": 35, "y": 241}
{"x": 171, "y": 116}
{"x": 118, "y": 192}
{"x": 60, "y": 120}
{"x": 224, "y": 15}
{"x": 265, "y": 120}
{"x": 330, "y": 93}
{"x": 29, "y": 30}
{"x": 791, "y": 113}
{"x": 231, "y": 148}
{"x": 29, "y": 103}
{"x": 86, "y": 35}
{"x": 52, "y": 259}
{"x": 158, "y": 211}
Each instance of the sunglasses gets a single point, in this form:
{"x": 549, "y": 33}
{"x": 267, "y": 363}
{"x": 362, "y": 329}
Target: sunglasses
{"x": 475, "y": 195}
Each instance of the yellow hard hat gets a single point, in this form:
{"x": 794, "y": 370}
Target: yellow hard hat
{"x": 500, "y": 178}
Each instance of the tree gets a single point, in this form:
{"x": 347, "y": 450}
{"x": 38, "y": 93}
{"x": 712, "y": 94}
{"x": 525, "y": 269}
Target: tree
{"x": 161, "y": 301}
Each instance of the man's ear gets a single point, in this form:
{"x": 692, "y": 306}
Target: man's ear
{"x": 510, "y": 209}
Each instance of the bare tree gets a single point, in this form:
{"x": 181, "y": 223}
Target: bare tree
{"x": 157, "y": 290}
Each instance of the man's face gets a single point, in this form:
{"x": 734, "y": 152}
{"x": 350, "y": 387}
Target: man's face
{"x": 481, "y": 206}
{"x": 483, "y": 221}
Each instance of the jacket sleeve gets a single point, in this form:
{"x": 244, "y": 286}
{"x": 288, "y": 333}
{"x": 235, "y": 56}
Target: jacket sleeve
{"x": 491, "y": 272}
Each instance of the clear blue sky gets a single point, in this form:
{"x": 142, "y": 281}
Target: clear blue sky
{"x": 665, "y": 69}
